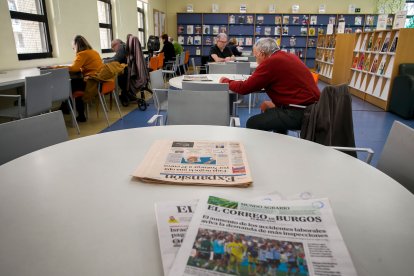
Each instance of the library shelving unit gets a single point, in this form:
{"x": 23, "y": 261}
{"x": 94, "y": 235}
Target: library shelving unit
{"x": 375, "y": 62}
{"x": 334, "y": 57}
{"x": 296, "y": 33}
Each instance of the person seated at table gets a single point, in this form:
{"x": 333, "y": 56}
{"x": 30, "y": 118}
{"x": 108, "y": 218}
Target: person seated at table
{"x": 119, "y": 47}
{"x": 167, "y": 49}
{"x": 234, "y": 47}
{"x": 87, "y": 62}
{"x": 286, "y": 80}
{"x": 220, "y": 52}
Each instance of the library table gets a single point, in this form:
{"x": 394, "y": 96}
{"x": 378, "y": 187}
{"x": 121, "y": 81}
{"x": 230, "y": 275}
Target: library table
{"x": 176, "y": 82}
{"x": 15, "y": 78}
{"x": 74, "y": 209}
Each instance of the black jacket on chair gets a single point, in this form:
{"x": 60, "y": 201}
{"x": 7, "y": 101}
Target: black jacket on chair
{"x": 402, "y": 95}
{"x": 329, "y": 121}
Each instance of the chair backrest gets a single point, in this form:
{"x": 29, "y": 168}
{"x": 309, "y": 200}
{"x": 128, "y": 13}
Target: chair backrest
{"x": 23, "y": 136}
{"x": 60, "y": 82}
{"x": 198, "y": 86}
{"x": 397, "y": 157}
{"x": 187, "y": 57}
{"x": 153, "y": 63}
{"x": 195, "y": 69}
{"x": 242, "y": 68}
{"x": 182, "y": 59}
{"x": 251, "y": 58}
{"x": 160, "y": 60}
{"x": 38, "y": 93}
{"x": 198, "y": 108}
{"x": 159, "y": 92}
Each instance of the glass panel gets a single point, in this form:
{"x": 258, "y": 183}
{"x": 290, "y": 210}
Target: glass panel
{"x": 30, "y": 36}
{"x": 105, "y": 38}
{"x": 103, "y": 13}
{"x": 27, "y": 6}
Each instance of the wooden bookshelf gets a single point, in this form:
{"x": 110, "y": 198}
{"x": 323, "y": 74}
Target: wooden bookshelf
{"x": 334, "y": 57}
{"x": 375, "y": 61}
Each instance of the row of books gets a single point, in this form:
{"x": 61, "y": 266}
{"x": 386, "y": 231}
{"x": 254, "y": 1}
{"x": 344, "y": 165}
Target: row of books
{"x": 363, "y": 62}
{"x": 208, "y": 40}
{"x": 198, "y": 29}
{"x": 327, "y": 41}
{"x": 278, "y": 30}
{"x": 379, "y": 45}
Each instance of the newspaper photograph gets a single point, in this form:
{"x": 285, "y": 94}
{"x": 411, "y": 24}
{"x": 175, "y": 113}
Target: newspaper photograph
{"x": 230, "y": 236}
{"x": 213, "y": 163}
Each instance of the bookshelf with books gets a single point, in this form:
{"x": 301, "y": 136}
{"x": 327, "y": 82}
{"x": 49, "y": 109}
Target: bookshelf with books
{"x": 241, "y": 26}
{"x": 213, "y": 24}
{"x": 190, "y": 33}
{"x": 333, "y": 57}
{"x": 375, "y": 62}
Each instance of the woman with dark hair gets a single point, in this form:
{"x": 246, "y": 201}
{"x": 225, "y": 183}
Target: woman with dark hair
{"x": 233, "y": 44}
{"x": 87, "y": 63}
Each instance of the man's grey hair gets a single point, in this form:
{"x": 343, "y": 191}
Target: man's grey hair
{"x": 266, "y": 45}
{"x": 116, "y": 41}
{"x": 221, "y": 36}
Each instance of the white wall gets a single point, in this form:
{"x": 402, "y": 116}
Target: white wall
{"x": 67, "y": 18}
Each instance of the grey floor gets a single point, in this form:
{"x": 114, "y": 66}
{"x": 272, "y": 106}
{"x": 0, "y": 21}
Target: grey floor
{"x": 371, "y": 124}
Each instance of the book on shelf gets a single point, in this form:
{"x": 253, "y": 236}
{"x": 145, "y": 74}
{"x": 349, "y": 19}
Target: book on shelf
{"x": 277, "y": 30}
{"x": 303, "y": 31}
{"x": 312, "y": 31}
{"x": 258, "y": 30}
{"x": 292, "y": 41}
{"x": 367, "y": 63}
{"x": 295, "y": 19}
{"x": 185, "y": 162}
{"x": 305, "y": 19}
{"x": 223, "y": 29}
{"x": 190, "y": 40}
{"x": 369, "y": 20}
{"x": 190, "y": 29}
{"x": 311, "y": 42}
{"x": 369, "y": 44}
{"x": 180, "y": 29}
{"x": 260, "y": 19}
{"x": 249, "y": 41}
{"x": 232, "y": 19}
{"x": 393, "y": 44}
{"x": 374, "y": 65}
{"x": 313, "y": 20}
{"x": 381, "y": 67}
{"x": 206, "y": 29}
{"x": 198, "y": 29}
{"x": 385, "y": 43}
{"x": 268, "y": 31}
{"x": 197, "y": 40}
{"x": 216, "y": 30}
{"x": 321, "y": 30}
{"x": 355, "y": 61}
{"x": 180, "y": 39}
{"x": 285, "y": 19}
{"x": 241, "y": 19}
{"x": 243, "y": 227}
{"x": 389, "y": 21}
{"x": 332, "y": 20}
{"x": 361, "y": 62}
{"x": 249, "y": 19}
{"x": 377, "y": 44}
{"x": 285, "y": 30}
{"x": 278, "y": 20}
{"x": 358, "y": 20}
{"x": 348, "y": 30}
{"x": 208, "y": 41}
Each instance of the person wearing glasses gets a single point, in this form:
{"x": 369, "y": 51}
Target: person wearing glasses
{"x": 220, "y": 52}
{"x": 286, "y": 80}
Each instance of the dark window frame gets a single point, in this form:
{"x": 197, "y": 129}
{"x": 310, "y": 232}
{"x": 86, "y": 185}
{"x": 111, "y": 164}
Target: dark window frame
{"x": 41, "y": 18}
{"x": 142, "y": 30}
{"x": 107, "y": 26}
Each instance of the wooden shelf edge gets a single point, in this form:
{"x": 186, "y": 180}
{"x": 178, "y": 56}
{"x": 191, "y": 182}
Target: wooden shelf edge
{"x": 376, "y": 101}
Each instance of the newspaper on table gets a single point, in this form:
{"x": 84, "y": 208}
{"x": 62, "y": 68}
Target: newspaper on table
{"x": 196, "y": 78}
{"x": 228, "y": 236}
{"x": 212, "y": 163}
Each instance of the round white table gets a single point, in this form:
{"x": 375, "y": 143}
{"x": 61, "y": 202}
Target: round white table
{"x": 176, "y": 82}
{"x": 73, "y": 208}
{"x": 16, "y": 78}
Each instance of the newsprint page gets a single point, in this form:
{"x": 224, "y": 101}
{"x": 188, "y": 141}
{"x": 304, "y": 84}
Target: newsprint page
{"x": 229, "y": 236}
{"x": 213, "y": 163}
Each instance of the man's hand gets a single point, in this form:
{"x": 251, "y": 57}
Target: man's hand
{"x": 227, "y": 59}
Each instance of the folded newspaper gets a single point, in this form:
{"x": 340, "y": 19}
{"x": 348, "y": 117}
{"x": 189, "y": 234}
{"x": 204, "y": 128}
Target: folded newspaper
{"x": 196, "y": 78}
{"x": 230, "y": 236}
{"x": 212, "y": 163}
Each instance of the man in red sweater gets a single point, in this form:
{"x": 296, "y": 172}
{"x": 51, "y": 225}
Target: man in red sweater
{"x": 286, "y": 80}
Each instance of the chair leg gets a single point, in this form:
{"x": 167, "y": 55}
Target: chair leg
{"x": 250, "y": 102}
{"x": 103, "y": 108}
{"x": 117, "y": 103}
{"x": 74, "y": 122}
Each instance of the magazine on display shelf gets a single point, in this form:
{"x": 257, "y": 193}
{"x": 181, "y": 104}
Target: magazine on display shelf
{"x": 209, "y": 163}
{"x": 229, "y": 236}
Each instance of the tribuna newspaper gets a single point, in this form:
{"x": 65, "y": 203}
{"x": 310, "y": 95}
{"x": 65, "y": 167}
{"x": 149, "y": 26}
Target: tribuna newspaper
{"x": 234, "y": 236}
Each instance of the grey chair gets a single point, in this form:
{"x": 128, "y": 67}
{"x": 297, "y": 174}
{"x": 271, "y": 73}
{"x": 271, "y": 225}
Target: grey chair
{"x": 251, "y": 58}
{"x": 199, "y": 108}
{"x": 21, "y": 137}
{"x": 197, "y": 69}
{"x": 61, "y": 90}
{"x": 160, "y": 95}
{"x": 172, "y": 68}
{"x": 397, "y": 157}
{"x": 37, "y": 98}
{"x": 197, "y": 86}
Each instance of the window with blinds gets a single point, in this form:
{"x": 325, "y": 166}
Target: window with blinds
{"x": 142, "y": 36}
